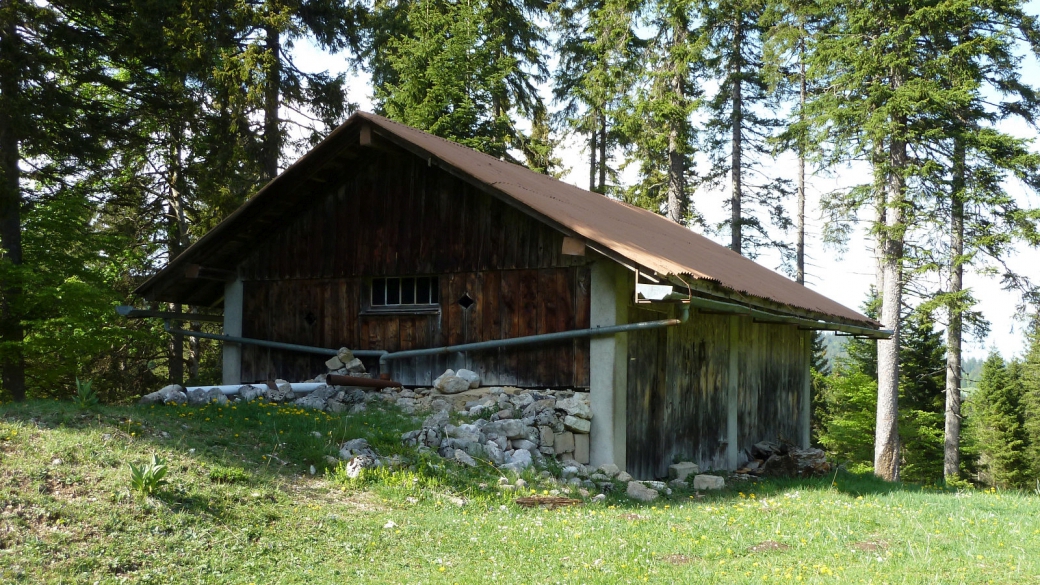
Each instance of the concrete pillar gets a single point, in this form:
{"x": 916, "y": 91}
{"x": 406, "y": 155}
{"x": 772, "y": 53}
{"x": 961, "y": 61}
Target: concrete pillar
{"x": 805, "y": 415}
{"x": 233, "y": 294}
{"x": 608, "y": 364}
{"x": 732, "y": 388}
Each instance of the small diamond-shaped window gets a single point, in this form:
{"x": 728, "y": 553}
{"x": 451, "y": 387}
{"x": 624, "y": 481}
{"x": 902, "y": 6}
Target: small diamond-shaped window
{"x": 466, "y": 301}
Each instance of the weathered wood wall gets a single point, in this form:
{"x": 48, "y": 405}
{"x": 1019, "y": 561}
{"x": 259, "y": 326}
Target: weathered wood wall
{"x": 394, "y": 215}
{"x": 677, "y": 390}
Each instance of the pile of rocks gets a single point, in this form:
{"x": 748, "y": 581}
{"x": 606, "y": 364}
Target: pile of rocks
{"x": 784, "y": 460}
{"x": 513, "y": 427}
{"x": 345, "y": 364}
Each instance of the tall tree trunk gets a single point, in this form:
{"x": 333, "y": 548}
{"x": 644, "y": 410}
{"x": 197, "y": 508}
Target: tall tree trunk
{"x": 593, "y": 152}
{"x": 952, "y": 435}
{"x": 272, "y": 92}
{"x": 737, "y": 127}
{"x": 603, "y": 153}
{"x": 676, "y": 162}
{"x": 177, "y": 239}
{"x": 886, "y": 441}
{"x": 800, "y": 249}
{"x": 12, "y": 333}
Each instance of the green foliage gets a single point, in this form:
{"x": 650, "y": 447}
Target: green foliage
{"x": 224, "y": 474}
{"x": 146, "y": 479}
{"x": 463, "y": 71}
{"x": 850, "y": 402}
{"x": 845, "y": 409}
{"x": 598, "y": 63}
{"x": 995, "y": 426}
{"x": 85, "y": 397}
{"x": 820, "y": 363}
{"x": 1030, "y": 401}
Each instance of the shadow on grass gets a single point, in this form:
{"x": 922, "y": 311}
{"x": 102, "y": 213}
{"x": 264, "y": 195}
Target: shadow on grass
{"x": 235, "y": 443}
{"x": 253, "y": 443}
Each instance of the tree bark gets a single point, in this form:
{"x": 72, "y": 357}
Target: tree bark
{"x": 12, "y": 332}
{"x": 593, "y": 151}
{"x": 952, "y": 434}
{"x": 886, "y": 441}
{"x": 272, "y": 132}
{"x": 603, "y": 154}
{"x": 676, "y": 163}
{"x": 800, "y": 246}
{"x": 737, "y": 126}
{"x": 176, "y": 239}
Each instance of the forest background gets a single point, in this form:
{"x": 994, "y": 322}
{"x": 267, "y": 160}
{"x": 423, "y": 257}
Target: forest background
{"x": 895, "y": 138}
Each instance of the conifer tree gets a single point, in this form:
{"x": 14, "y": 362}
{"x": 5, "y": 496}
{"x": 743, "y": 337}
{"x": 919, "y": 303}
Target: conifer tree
{"x": 598, "y": 53}
{"x": 52, "y": 65}
{"x": 739, "y": 123}
{"x": 884, "y": 104}
{"x": 1031, "y": 399}
{"x": 463, "y": 71}
{"x": 996, "y": 425}
{"x": 657, "y": 123}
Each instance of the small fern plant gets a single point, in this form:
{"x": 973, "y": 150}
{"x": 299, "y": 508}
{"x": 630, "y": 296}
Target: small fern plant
{"x": 85, "y": 397}
{"x": 148, "y": 478}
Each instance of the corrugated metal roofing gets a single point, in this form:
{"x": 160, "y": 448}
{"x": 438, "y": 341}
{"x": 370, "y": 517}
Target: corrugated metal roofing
{"x": 644, "y": 238}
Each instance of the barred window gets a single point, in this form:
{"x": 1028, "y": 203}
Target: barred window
{"x": 408, "y": 290}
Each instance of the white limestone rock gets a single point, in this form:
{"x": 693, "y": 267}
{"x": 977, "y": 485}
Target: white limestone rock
{"x": 577, "y": 425}
{"x": 472, "y": 377}
{"x": 575, "y": 407}
{"x": 638, "y": 491}
{"x": 708, "y": 482}
{"x": 682, "y": 469}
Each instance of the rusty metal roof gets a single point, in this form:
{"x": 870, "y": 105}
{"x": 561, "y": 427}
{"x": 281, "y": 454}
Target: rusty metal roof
{"x": 646, "y": 239}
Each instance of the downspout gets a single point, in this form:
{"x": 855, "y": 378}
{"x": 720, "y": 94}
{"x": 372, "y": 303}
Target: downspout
{"x": 531, "y": 339}
{"x": 385, "y": 356}
{"x": 272, "y": 344}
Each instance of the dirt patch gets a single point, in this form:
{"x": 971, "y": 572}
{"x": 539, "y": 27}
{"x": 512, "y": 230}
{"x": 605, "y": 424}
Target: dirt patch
{"x": 768, "y": 545}
{"x": 870, "y": 545}
{"x": 676, "y": 559}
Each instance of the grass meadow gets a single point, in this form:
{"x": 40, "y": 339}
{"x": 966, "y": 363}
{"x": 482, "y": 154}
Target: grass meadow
{"x": 242, "y": 506}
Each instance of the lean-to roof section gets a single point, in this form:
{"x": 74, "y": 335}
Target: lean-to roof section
{"x": 643, "y": 237}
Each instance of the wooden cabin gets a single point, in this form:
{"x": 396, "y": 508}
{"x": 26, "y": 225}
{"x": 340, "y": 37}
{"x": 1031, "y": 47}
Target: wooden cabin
{"x": 384, "y": 237}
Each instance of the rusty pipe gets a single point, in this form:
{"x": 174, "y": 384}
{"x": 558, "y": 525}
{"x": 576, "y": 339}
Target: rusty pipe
{"x": 339, "y": 380}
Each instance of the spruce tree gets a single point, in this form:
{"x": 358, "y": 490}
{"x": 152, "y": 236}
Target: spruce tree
{"x": 1031, "y": 399}
{"x": 657, "y": 123}
{"x": 884, "y": 105}
{"x": 598, "y": 52}
{"x": 995, "y": 423}
{"x": 739, "y": 124}
{"x": 922, "y": 358}
{"x": 463, "y": 71}
{"x": 52, "y": 67}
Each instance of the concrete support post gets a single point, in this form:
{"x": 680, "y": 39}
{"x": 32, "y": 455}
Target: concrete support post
{"x": 732, "y": 388}
{"x": 233, "y": 296}
{"x": 805, "y": 415}
{"x": 608, "y": 366}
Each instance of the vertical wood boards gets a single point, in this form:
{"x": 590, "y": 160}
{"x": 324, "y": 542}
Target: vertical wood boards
{"x": 396, "y": 216}
{"x": 690, "y": 421}
{"x": 646, "y": 435}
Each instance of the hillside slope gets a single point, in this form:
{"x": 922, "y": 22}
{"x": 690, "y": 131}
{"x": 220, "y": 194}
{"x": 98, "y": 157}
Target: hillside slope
{"x": 242, "y": 507}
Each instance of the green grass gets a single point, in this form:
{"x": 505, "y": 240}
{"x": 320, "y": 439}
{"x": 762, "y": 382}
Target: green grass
{"x": 241, "y": 507}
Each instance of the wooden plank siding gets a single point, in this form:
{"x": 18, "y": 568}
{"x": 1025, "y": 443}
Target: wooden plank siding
{"x": 677, "y": 380}
{"x": 397, "y": 216}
